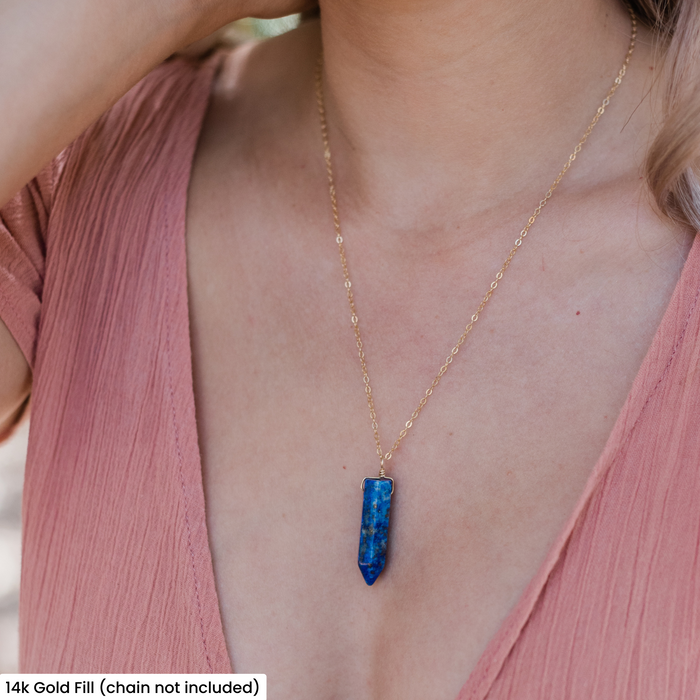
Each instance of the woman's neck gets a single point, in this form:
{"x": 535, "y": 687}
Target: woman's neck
{"x": 432, "y": 100}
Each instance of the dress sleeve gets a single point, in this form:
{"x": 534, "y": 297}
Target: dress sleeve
{"x": 34, "y": 219}
{"x": 23, "y": 224}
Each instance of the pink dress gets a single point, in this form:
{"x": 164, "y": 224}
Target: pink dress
{"x": 116, "y": 570}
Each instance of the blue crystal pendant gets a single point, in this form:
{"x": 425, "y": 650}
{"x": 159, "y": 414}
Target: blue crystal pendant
{"x": 375, "y": 526}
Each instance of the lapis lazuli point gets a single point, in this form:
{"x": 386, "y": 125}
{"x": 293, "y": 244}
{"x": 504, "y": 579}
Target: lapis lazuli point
{"x": 375, "y": 528}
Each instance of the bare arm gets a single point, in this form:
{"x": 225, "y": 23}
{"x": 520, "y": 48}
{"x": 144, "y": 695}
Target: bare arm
{"x": 62, "y": 64}
{"x": 15, "y": 378}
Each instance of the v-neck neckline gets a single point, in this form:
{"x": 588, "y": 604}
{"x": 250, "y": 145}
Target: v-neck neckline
{"x": 650, "y": 374}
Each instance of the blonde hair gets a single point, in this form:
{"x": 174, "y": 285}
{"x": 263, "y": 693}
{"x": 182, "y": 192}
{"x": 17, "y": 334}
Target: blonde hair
{"x": 673, "y": 161}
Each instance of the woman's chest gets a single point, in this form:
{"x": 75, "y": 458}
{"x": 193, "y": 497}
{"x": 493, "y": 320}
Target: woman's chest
{"x": 485, "y": 479}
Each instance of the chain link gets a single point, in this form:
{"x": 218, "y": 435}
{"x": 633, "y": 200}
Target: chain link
{"x": 385, "y": 457}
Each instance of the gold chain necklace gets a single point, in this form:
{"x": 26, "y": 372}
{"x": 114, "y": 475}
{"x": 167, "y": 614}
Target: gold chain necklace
{"x": 378, "y": 490}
